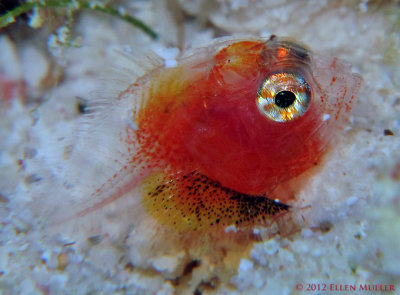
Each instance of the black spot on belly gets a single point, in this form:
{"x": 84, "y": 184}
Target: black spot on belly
{"x": 194, "y": 201}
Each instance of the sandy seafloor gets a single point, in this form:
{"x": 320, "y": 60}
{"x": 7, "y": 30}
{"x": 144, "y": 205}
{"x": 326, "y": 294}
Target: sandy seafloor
{"x": 355, "y": 198}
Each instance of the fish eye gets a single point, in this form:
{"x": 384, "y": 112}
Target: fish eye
{"x": 283, "y": 97}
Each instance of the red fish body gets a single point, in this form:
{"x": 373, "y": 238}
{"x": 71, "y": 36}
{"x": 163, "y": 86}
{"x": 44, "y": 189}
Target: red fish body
{"x": 214, "y": 137}
{"x": 203, "y": 117}
{"x": 212, "y": 123}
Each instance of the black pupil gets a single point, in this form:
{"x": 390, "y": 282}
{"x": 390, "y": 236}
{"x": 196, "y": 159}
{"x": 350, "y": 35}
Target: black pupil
{"x": 284, "y": 99}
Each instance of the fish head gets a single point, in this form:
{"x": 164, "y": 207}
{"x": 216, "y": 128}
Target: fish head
{"x": 271, "y": 111}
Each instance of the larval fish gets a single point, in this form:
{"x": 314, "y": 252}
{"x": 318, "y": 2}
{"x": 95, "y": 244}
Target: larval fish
{"x": 222, "y": 139}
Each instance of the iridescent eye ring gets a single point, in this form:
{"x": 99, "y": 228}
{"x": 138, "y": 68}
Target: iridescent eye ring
{"x": 283, "y": 97}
